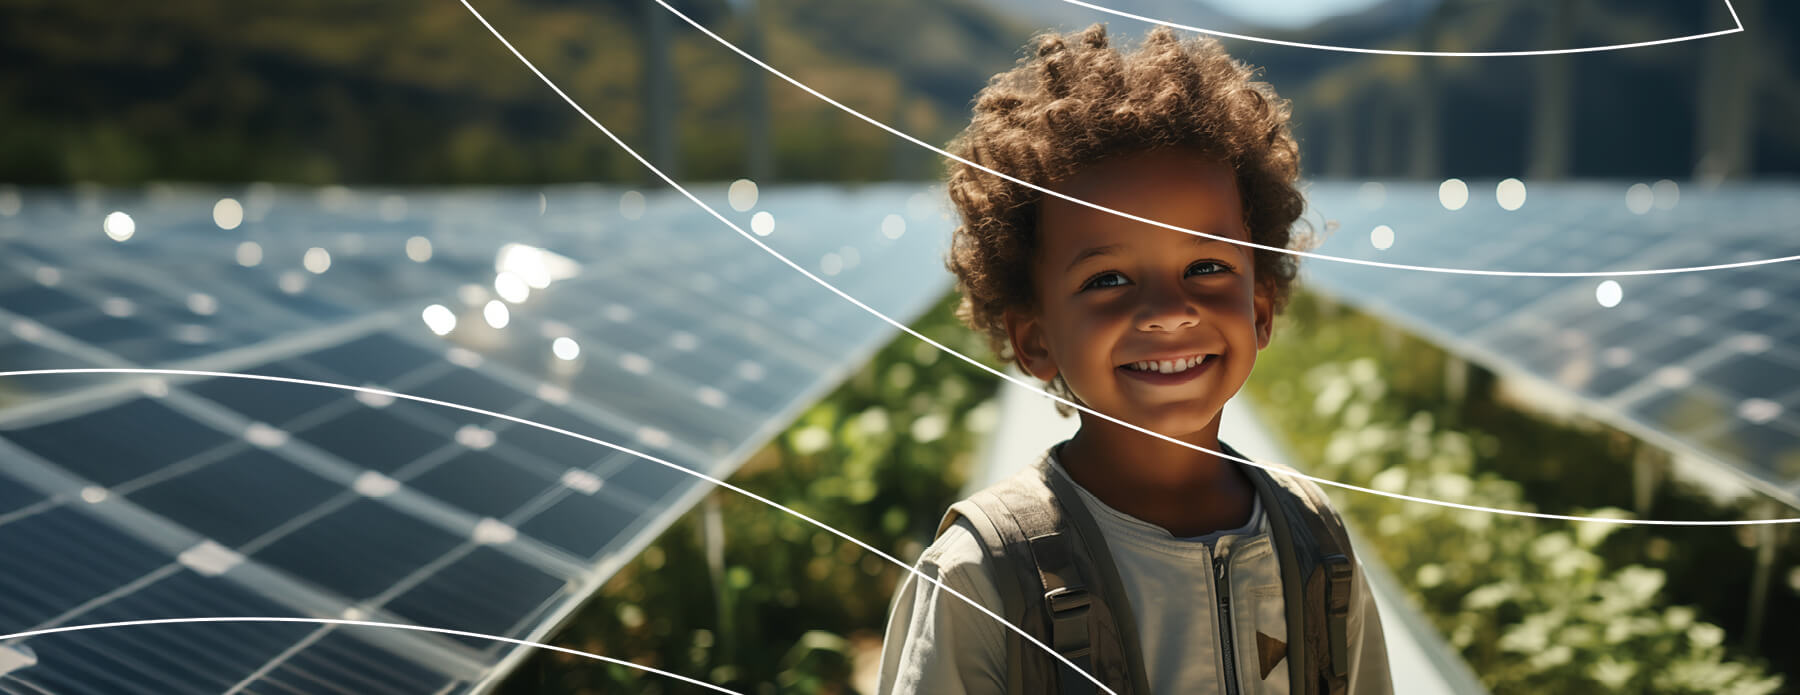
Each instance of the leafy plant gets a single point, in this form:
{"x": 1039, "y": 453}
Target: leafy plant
{"x": 1534, "y": 605}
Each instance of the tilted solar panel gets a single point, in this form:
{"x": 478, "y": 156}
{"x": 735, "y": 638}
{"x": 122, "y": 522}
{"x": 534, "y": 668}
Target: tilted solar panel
{"x": 645, "y": 323}
{"x": 1706, "y": 361}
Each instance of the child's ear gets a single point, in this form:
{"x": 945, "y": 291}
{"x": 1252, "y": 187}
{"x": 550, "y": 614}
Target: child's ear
{"x": 1265, "y": 316}
{"x": 1028, "y": 345}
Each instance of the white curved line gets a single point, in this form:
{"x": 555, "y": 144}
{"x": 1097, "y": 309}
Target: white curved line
{"x": 1445, "y": 54}
{"x": 362, "y": 623}
{"x": 1293, "y": 252}
{"x": 592, "y": 440}
{"x": 1020, "y": 382}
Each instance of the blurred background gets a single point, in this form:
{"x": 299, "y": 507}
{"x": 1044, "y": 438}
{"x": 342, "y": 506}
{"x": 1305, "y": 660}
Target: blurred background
{"x": 379, "y": 194}
{"x": 418, "y": 93}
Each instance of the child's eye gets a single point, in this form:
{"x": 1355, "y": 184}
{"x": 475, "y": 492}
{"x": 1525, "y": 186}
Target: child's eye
{"x": 1106, "y": 279}
{"x": 1208, "y": 268}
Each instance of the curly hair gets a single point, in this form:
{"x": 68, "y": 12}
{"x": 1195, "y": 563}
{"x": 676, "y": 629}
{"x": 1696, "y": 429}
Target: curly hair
{"x": 1075, "y": 101}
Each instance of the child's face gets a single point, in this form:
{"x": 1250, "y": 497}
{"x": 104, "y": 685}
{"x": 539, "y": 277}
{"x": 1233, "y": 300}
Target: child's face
{"x": 1114, "y": 293}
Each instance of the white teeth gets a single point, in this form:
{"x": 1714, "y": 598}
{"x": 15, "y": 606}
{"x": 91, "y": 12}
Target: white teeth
{"x": 1167, "y": 366}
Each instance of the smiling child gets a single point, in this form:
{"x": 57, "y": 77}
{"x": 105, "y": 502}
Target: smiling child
{"x": 1154, "y": 567}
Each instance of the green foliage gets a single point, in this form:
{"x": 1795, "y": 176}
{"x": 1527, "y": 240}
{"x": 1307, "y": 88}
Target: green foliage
{"x": 1535, "y": 606}
{"x": 879, "y": 459}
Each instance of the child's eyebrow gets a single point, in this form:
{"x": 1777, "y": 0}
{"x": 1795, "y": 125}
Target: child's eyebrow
{"x": 1091, "y": 252}
{"x": 1108, "y": 249}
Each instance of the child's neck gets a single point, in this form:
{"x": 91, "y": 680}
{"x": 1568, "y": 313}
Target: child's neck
{"x": 1187, "y": 492}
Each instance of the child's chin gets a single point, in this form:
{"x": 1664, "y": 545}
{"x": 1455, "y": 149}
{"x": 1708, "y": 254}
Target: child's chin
{"x": 1180, "y": 421}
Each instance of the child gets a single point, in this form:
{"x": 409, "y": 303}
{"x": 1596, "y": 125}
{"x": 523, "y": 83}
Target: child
{"x": 1152, "y": 566}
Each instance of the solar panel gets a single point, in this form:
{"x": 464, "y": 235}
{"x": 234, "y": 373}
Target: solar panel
{"x": 1706, "y": 358}
{"x": 126, "y": 498}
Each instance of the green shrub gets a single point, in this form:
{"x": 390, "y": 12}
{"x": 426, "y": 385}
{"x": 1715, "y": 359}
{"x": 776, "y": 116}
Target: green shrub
{"x": 1533, "y": 605}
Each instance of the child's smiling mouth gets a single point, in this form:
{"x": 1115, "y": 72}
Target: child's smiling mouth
{"x": 1174, "y": 370}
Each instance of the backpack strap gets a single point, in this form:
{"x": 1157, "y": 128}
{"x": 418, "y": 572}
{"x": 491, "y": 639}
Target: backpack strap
{"x": 1316, "y": 565}
{"x": 1012, "y": 604}
{"x": 1050, "y": 549}
{"x": 1120, "y": 657}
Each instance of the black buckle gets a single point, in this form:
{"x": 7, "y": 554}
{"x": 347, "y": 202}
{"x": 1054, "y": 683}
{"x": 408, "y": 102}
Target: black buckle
{"x": 1339, "y": 567}
{"x": 1068, "y": 602}
{"x": 1069, "y": 621}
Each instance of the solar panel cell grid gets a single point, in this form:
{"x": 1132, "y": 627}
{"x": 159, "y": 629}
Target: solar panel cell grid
{"x": 23, "y": 356}
{"x": 482, "y": 483}
{"x": 584, "y": 524}
{"x": 360, "y": 550}
{"x": 556, "y": 451}
{"x": 171, "y": 658}
{"x": 15, "y": 495}
{"x": 376, "y": 439}
{"x": 375, "y": 358}
{"x": 658, "y": 405}
{"x": 89, "y": 559}
{"x": 485, "y": 591}
{"x": 467, "y": 387}
{"x": 649, "y": 480}
{"x": 237, "y": 499}
{"x": 40, "y": 303}
{"x": 118, "y": 443}
{"x": 339, "y": 662}
{"x": 105, "y": 331}
{"x": 272, "y": 402}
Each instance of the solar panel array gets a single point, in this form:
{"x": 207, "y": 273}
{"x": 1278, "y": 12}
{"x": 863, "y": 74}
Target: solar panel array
{"x": 1702, "y": 362}
{"x": 645, "y": 323}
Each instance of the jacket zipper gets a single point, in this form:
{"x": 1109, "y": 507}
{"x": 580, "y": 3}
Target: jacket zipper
{"x": 1221, "y": 573}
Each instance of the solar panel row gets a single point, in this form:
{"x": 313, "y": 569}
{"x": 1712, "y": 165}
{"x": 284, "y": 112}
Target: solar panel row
{"x": 135, "y": 498}
{"x": 1707, "y": 358}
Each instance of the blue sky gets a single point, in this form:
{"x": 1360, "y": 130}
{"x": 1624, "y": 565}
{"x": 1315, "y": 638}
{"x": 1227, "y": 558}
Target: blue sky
{"x": 1288, "y": 14}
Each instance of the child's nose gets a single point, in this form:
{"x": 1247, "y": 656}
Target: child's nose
{"x": 1167, "y": 310}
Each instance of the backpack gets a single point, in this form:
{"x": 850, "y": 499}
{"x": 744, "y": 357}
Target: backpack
{"x": 1037, "y": 530}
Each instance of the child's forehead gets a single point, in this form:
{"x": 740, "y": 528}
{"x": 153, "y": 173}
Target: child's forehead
{"x": 1200, "y": 197}
{"x": 1151, "y": 185}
